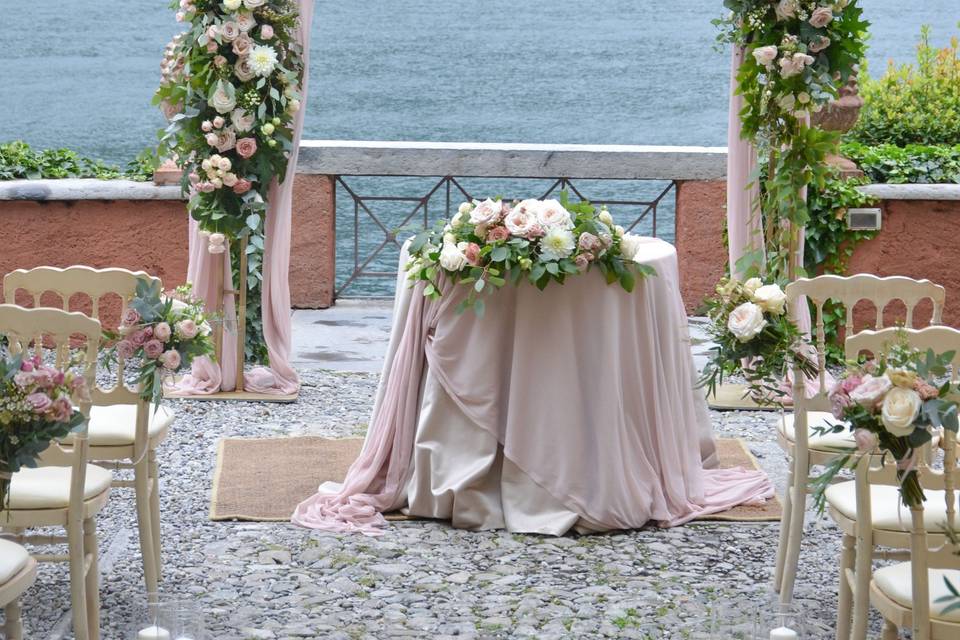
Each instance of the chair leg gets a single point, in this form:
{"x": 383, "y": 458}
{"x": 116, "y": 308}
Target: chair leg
{"x": 78, "y": 579}
{"x": 798, "y": 509}
{"x": 93, "y": 577}
{"x": 845, "y": 598}
{"x": 784, "y": 531}
{"x": 862, "y": 572}
{"x": 13, "y": 629}
{"x": 890, "y": 631}
{"x": 155, "y": 511}
{"x": 141, "y": 481}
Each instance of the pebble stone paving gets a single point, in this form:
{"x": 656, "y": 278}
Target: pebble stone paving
{"x": 423, "y": 579}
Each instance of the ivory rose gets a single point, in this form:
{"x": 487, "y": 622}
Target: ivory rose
{"x": 486, "y": 212}
{"x": 606, "y": 218}
{"x": 771, "y": 298}
{"x": 746, "y": 322}
{"x": 871, "y": 391}
{"x": 821, "y": 17}
{"x": 232, "y": 5}
{"x": 246, "y": 21}
{"x": 551, "y": 213}
{"x": 786, "y": 9}
{"x": 900, "y": 409}
{"x": 630, "y": 246}
{"x": 246, "y": 147}
{"x": 751, "y": 286}
{"x": 452, "y": 257}
{"x": 253, "y": 4}
{"x": 224, "y": 98}
{"x": 765, "y": 55}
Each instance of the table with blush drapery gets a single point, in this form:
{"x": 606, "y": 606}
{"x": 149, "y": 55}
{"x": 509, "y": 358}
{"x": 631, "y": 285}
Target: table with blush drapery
{"x": 572, "y": 408}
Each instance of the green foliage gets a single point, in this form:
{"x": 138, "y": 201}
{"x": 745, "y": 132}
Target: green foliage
{"x": 255, "y": 348}
{"x": 913, "y": 103}
{"x": 19, "y": 161}
{"x": 888, "y": 163}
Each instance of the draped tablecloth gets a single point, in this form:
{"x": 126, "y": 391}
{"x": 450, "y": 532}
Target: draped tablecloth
{"x": 569, "y": 408}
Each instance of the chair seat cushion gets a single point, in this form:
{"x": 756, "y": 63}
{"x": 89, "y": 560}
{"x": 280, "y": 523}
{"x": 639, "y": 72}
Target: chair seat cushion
{"x": 825, "y": 442}
{"x": 895, "y": 582}
{"x": 49, "y": 487}
{"x": 888, "y": 514}
{"x": 116, "y": 425}
{"x": 13, "y": 558}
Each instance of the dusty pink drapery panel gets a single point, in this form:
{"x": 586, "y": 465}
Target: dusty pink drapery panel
{"x": 280, "y": 378}
{"x": 744, "y": 223}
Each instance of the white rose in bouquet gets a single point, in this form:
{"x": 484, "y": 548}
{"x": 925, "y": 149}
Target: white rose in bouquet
{"x": 606, "y": 218}
{"x": 900, "y": 410}
{"x": 551, "y": 213}
{"x": 452, "y": 258}
{"x": 486, "y": 212}
{"x": 746, "y": 322}
{"x": 751, "y": 286}
{"x": 232, "y": 5}
{"x": 630, "y": 246}
{"x": 771, "y": 299}
{"x": 224, "y": 98}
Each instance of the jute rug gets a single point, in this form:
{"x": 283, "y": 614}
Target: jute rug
{"x": 263, "y": 480}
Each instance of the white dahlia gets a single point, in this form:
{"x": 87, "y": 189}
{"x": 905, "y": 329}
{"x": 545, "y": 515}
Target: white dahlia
{"x": 263, "y": 60}
{"x": 557, "y": 244}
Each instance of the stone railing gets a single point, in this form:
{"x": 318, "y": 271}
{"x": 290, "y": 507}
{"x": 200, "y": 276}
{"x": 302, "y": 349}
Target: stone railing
{"x": 363, "y": 190}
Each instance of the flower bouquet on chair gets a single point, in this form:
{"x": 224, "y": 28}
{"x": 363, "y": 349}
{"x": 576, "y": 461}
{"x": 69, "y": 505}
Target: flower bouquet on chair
{"x": 36, "y": 407}
{"x": 754, "y": 338}
{"x": 165, "y": 333}
{"x": 893, "y": 404}
{"x": 486, "y": 244}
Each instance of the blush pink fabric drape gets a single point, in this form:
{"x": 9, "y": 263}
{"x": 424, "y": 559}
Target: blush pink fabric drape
{"x": 589, "y": 390}
{"x": 279, "y": 378}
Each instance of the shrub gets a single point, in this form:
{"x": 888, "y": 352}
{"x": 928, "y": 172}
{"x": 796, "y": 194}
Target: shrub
{"x": 19, "y": 161}
{"x": 888, "y": 163}
{"x": 913, "y": 104}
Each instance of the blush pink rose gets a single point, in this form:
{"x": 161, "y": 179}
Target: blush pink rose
{"x": 821, "y": 17}
{"x": 39, "y": 402}
{"x": 246, "y": 147}
{"x": 242, "y": 45}
{"x": 212, "y": 46}
{"x": 187, "y": 329}
{"x": 162, "y": 332}
{"x": 871, "y": 392}
{"x": 497, "y": 234}
{"x": 170, "y": 360}
{"x": 866, "y": 440}
{"x": 473, "y": 253}
{"x": 582, "y": 262}
{"x": 153, "y": 348}
{"x": 138, "y": 338}
{"x": 850, "y": 383}
{"x": 131, "y": 317}
{"x": 266, "y": 32}
{"x": 125, "y": 349}
{"x": 243, "y": 185}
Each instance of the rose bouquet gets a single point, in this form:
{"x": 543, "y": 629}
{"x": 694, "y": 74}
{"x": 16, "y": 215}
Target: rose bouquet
{"x": 166, "y": 334}
{"x": 893, "y": 403}
{"x": 489, "y": 243}
{"x": 755, "y": 338}
{"x": 36, "y": 407}
{"x": 230, "y": 87}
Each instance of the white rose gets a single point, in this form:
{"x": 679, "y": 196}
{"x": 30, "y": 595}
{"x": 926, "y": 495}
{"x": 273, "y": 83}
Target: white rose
{"x": 771, "y": 298}
{"x": 246, "y": 21}
{"x": 551, "y": 213}
{"x": 232, "y": 5}
{"x": 456, "y": 220}
{"x": 486, "y": 212}
{"x": 630, "y": 245}
{"x": 606, "y": 218}
{"x": 224, "y": 99}
{"x": 746, "y": 322}
{"x": 465, "y": 208}
{"x": 900, "y": 410}
{"x": 242, "y": 120}
{"x": 452, "y": 258}
{"x": 751, "y": 286}
{"x": 786, "y": 9}
{"x": 619, "y": 231}
{"x": 765, "y": 55}
{"x": 253, "y": 4}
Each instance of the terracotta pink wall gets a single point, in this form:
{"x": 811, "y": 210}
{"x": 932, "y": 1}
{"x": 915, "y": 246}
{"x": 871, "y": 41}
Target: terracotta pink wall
{"x": 701, "y": 248}
{"x": 152, "y": 236}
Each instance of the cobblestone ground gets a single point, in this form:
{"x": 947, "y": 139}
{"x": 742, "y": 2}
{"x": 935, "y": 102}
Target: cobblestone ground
{"x": 423, "y": 579}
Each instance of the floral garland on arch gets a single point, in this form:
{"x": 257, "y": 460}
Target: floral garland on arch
{"x": 798, "y": 54}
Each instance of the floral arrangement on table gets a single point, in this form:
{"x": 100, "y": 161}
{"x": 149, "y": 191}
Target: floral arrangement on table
{"x": 798, "y": 55}
{"x": 165, "y": 333}
{"x": 36, "y": 407}
{"x": 755, "y": 338}
{"x": 488, "y": 243}
{"x": 230, "y": 88}
{"x": 893, "y": 403}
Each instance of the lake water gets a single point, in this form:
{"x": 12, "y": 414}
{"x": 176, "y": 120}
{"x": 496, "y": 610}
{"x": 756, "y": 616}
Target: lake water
{"x": 81, "y": 73}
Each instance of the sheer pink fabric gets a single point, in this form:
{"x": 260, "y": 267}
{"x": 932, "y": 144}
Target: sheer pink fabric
{"x": 589, "y": 389}
{"x": 207, "y": 377}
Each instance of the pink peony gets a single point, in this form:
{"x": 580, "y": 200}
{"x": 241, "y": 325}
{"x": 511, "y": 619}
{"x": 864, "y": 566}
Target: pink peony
{"x": 473, "y": 253}
{"x": 39, "y": 402}
{"x": 131, "y": 317}
{"x": 246, "y": 147}
{"x": 162, "y": 332}
{"x": 153, "y": 348}
{"x": 170, "y": 359}
{"x": 243, "y": 185}
{"x": 497, "y": 234}
{"x": 125, "y": 349}
{"x": 187, "y": 329}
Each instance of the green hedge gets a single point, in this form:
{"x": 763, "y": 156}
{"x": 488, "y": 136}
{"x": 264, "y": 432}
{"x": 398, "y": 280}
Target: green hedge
{"x": 888, "y": 163}
{"x": 20, "y": 161}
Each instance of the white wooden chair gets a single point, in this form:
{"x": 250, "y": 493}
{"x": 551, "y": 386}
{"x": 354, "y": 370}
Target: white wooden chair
{"x": 805, "y": 449}
{"x": 64, "y": 491}
{"x": 873, "y": 499}
{"x": 17, "y": 572}
{"x": 125, "y": 430}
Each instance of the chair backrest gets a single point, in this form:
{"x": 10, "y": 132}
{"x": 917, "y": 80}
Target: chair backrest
{"x": 40, "y": 327}
{"x": 93, "y": 283}
{"x": 850, "y": 290}
{"x": 941, "y": 340}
